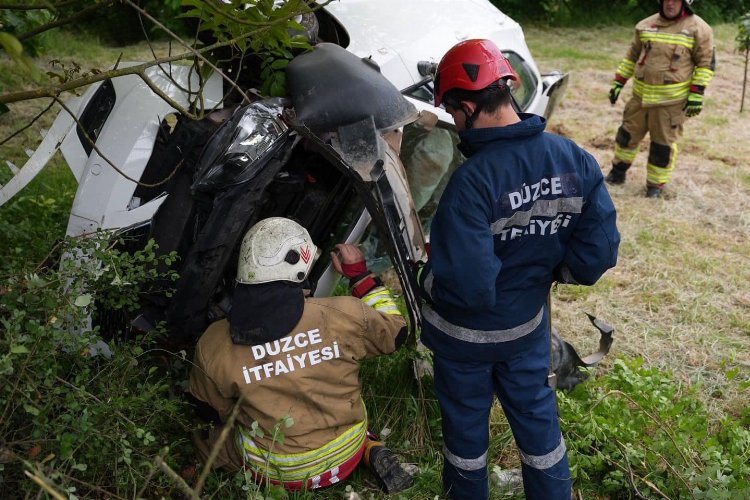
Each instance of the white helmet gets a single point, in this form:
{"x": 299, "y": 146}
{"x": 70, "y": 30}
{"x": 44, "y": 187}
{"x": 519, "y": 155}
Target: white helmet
{"x": 275, "y": 249}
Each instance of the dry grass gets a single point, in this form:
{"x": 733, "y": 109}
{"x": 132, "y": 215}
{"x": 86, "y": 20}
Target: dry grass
{"x": 679, "y": 294}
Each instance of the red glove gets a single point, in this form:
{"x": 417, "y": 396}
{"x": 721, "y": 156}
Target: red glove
{"x": 349, "y": 261}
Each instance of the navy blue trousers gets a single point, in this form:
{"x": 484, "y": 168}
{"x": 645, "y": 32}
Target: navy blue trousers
{"x": 466, "y": 391}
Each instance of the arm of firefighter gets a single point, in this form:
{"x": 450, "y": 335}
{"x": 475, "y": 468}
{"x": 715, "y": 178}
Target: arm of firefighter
{"x": 704, "y": 58}
{"x": 382, "y": 333}
{"x": 204, "y": 389}
{"x": 633, "y": 54}
{"x": 463, "y": 267}
{"x": 593, "y": 246}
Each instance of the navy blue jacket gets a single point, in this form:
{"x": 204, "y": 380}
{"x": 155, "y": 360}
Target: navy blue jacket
{"x": 527, "y": 208}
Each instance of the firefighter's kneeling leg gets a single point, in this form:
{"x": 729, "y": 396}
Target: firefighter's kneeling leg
{"x": 529, "y": 404}
{"x": 465, "y": 393}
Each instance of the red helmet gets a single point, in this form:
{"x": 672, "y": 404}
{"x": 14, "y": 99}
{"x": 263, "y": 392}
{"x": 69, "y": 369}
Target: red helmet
{"x": 471, "y": 65}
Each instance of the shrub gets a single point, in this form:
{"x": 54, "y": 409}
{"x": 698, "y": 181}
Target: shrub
{"x": 637, "y": 430}
{"x": 79, "y": 415}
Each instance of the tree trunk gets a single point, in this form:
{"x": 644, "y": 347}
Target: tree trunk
{"x": 744, "y": 81}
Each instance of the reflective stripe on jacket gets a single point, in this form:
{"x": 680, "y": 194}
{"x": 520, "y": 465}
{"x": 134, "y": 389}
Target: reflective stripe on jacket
{"x": 666, "y": 57}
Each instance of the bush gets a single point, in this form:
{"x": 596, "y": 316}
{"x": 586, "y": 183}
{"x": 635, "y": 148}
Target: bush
{"x": 636, "y": 430}
{"x": 77, "y": 417}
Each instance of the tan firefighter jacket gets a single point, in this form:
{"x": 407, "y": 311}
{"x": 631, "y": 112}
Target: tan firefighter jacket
{"x": 667, "y": 57}
{"x": 311, "y": 375}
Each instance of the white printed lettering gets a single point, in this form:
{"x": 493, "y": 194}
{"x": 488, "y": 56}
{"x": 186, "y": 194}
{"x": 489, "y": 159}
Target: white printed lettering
{"x": 326, "y": 353}
{"x": 314, "y": 336}
{"x": 545, "y": 186}
{"x": 300, "y": 359}
{"x": 273, "y": 348}
{"x": 287, "y": 341}
{"x": 258, "y": 352}
{"x": 314, "y": 357}
{"x": 300, "y": 340}
{"x": 515, "y": 200}
{"x": 281, "y": 367}
{"x": 556, "y": 185}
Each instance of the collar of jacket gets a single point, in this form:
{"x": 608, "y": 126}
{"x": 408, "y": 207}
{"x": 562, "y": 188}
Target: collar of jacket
{"x": 665, "y": 21}
{"x": 265, "y": 312}
{"x": 475, "y": 139}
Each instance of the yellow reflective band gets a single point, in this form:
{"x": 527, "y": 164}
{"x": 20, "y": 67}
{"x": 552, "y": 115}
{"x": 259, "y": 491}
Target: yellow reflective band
{"x": 626, "y": 68}
{"x": 661, "y": 175}
{"x": 301, "y": 466}
{"x": 670, "y": 38}
{"x": 702, "y": 76}
{"x": 626, "y": 155}
{"x": 658, "y": 94}
{"x": 381, "y": 300}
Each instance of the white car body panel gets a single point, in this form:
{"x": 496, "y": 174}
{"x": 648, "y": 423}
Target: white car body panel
{"x": 44, "y": 152}
{"x": 104, "y": 197}
{"x": 398, "y": 34}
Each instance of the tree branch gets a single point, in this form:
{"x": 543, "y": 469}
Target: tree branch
{"x": 195, "y": 52}
{"x": 41, "y": 113}
{"x": 60, "y": 22}
{"x": 45, "y": 6}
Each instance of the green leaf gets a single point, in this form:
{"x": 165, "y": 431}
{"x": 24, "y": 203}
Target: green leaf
{"x": 19, "y": 349}
{"x": 32, "y": 410}
{"x": 3, "y": 108}
{"x": 279, "y": 64}
{"x": 83, "y": 300}
{"x": 11, "y": 44}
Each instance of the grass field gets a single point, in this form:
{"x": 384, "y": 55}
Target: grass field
{"x": 678, "y": 298}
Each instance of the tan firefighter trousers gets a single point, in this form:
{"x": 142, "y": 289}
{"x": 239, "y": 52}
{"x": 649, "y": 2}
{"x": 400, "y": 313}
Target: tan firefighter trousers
{"x": 664, "y": 125}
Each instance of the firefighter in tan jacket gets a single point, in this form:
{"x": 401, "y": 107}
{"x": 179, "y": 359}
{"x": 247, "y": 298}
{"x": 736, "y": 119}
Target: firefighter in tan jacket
{"x": 296, "y": 360}
{"x": 672, "y": 60}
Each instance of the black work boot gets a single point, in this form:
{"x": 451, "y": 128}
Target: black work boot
{"x": 386, "y": 466}
{"x": 653, "y": 192}
{"x": 617, "y": 174}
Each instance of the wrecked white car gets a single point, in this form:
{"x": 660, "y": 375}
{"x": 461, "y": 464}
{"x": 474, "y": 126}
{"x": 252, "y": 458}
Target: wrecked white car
{"x": 357, "y": 153}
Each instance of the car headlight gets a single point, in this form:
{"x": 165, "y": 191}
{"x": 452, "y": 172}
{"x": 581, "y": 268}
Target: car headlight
{"x": 235, "y": 153}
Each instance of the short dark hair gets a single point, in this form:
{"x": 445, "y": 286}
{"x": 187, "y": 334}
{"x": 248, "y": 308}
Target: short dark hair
{"x": 489, "y": 98}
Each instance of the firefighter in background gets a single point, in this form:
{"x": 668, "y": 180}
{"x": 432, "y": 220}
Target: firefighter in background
{"x": 525, "y": 209}
{"x": 288, "y": 355}
{"x": 672, "y": 60}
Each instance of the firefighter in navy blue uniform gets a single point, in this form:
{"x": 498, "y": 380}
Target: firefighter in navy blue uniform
{"x": 525, "y": 209}
{"x": 671, "y": 60}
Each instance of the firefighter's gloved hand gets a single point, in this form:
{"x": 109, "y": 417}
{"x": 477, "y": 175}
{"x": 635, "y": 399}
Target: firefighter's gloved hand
{"x": 694, "y": 104}
{"x": 614, "y": 92}
{"x": 348, "y": 260}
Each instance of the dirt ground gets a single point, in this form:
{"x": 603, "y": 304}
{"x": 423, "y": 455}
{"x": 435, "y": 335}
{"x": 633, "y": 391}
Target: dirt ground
{"x": 679, "y": 294}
